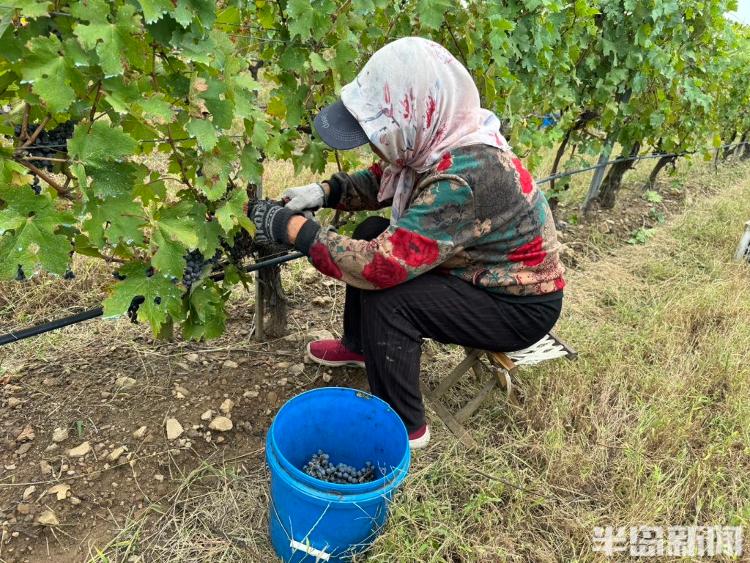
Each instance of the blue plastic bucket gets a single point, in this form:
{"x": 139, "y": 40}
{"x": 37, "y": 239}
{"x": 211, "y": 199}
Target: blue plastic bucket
{"x": 313, "y": 520}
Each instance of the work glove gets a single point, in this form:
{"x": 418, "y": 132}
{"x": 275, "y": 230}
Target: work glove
{"x": 271, "y": 221}
{"x": 303, "y": 198}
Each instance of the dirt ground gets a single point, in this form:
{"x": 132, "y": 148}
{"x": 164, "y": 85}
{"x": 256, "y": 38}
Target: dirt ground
{"x": 86, "y": 410}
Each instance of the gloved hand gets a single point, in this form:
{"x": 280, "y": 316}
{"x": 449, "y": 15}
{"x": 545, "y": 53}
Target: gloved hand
{"x": 309, "y": 197}
{"x": 271, "y": 221}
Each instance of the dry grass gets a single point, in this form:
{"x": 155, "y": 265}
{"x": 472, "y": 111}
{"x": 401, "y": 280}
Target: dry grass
{"x": 218, "y": 513}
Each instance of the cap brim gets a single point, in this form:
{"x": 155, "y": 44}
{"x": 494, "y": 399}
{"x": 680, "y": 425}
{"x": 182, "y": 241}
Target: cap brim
{"x": 338, "y": 128}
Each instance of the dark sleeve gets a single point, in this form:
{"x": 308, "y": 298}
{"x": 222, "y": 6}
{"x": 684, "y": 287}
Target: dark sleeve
{"x": 356, "y": 192}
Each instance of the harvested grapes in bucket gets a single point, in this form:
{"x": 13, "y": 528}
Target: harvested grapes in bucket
{"x": 321, "y": 467}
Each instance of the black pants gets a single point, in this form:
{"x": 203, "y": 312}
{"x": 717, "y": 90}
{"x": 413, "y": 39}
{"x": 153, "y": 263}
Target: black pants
{"x": 388, "y": 327}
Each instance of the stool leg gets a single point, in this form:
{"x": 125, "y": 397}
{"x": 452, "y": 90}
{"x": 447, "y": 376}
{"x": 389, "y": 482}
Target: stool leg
{"x": 506, "y": 383}
{"x": 450, "y": 421}
{"x": 470, "y": 360}
{"x": 469, "y": 408}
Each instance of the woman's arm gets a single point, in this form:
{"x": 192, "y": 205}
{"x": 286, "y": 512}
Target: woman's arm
{"x": 439, "y": 223}
{"x": 355, "y": 192}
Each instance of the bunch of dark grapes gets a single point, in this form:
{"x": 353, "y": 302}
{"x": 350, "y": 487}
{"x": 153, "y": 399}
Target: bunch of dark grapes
{"x": 69, "y": 274}
{"x": 133, "y": 309}
{"x": 36, "y": 186}
{"x": 49, "y": 143}
{"x": 20, "y": 276}
{"x": 195, "y": 264}
{"x": 138, "y": 300}
{"x": 242, "y": 247}
{"x": 320, "y": 467}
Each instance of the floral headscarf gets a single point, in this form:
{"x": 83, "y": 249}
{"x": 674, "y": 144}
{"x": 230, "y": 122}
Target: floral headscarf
{"x": 415, "y": 101}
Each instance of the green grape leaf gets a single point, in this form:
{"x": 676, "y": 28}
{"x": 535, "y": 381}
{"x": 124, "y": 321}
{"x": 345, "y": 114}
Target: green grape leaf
{"x": 157, "y": 110}
{"x": 112, "y": 42}
{"x": 180, "y": 221}
{"x": 317, "y": 62}
{"x": 365, "y": 7}
{"x": 203, "y": 130}
{"x": 162, "y": 296}
{"x": 246, "y": 81}
{"x": 101, "y": 144}
{"x": 432, "y": 12}
{"x": 216, "y": 168}
{"x": 91, "y": 10}
{"x": 153, "y": 10}
{"x": 155, "y": 190}
{"x": 28, "y": 237}
{"x": 113, "y": 179}
{"x": 300, "y": 20}
{"x": 30, "y": 8}
{"x": 259, "y": 138}
{"x": 48, "y": 73}
{"x": 232, "y": 213}
{"x": 276, "y": 107}
{"x": 203, "y": 10}
{"x": 115, "y": 219}
{"x": 169, "y": 255}
{"x": 120, "y": 95}
{"x": 221, "y": 108}
{"x": 252, "y": 166}
{"x": 213, "y": 190}
{"x": 208, "y": 237}
{"x": 82, "y": 245}
{"x": 206, "y": 317}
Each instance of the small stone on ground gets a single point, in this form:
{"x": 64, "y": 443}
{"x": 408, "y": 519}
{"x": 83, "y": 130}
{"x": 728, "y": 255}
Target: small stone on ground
{"x": 221, "y": 424}
{"x": 174, "y": 429}
{"x": 79, "y": 451}
{"x": 226, "y": 406}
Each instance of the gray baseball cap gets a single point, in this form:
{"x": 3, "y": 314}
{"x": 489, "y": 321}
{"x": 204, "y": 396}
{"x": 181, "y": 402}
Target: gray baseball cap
{"x": 338, "y": 128}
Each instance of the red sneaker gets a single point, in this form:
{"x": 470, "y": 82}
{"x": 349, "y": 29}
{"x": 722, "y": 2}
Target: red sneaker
{"x": 419, "y": 438}
{"x": 333, "y": 353}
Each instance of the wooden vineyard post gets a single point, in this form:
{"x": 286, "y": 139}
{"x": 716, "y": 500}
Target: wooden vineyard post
{"x": 596, "y": 181}
{"x": 259, "y": 309}
{"x": 270, "y": 296}
{"x": 269, "y": 293}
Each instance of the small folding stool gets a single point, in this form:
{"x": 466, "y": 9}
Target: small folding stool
{"x": 503, "y": 367}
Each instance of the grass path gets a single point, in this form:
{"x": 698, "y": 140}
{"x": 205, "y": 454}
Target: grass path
{"x": 650, "y": 426}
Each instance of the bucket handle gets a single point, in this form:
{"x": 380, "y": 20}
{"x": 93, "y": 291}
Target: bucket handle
{"x": 310, "y": 550}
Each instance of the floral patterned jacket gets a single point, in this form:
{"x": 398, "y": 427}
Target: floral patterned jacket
{"x": 477, "y": 215}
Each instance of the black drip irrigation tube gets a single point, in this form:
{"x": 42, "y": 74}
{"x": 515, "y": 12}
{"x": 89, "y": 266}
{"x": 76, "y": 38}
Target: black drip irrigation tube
{"x": 99, "y": 311}
{"x": 94, "y": 313}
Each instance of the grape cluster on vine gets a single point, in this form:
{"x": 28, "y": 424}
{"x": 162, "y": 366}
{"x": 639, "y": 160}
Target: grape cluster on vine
{"x": 241, "y": 247}
{"x": 50, "y": 143}
{"x": 195, "y": 263}
{"x": 320, "y": 467}
{"x": 137, "y": 301}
